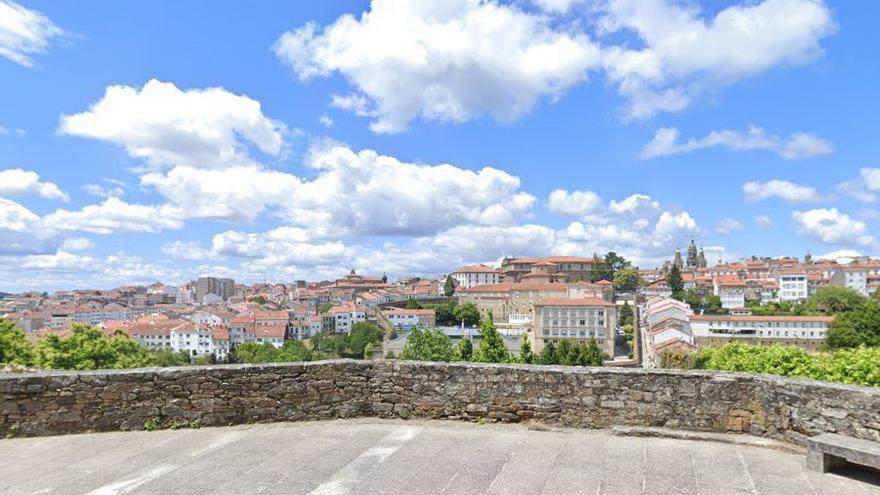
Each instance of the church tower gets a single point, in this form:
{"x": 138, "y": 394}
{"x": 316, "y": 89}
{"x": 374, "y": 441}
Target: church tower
{"x": 701, "y": 258}
{"x": 677, "y": 260}
{"x": 692, "y": 255}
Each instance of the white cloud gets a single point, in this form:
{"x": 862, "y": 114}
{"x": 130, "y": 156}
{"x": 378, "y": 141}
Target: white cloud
{"x": 21, "y": 231}
{"x": 782, "y": 189}
{"x": 686, "y": 54}
{"x": 111, "y": 189}
{"x": 574, "y": 203}
{"x": 15, "y": 181}
{"x": 763, "y": 221}
{"x": 76, "y": 244}
{"x": 325, "y": 120}
{"x": 843, "y": 256}
{"x": 830, "y": 226}
{"x": 728, "y": 226}
{"x": 115, "y": 215}
{"x": 462, "y": 59}
{"x": 234, "y": 193}
{"x": 65, "y": 270}
{"x": 24, "y": 33}
{"x": 16, "y": 217}
{"x": 368, "y": 193}
{"x": 187, "y": 250}
{"x": 796, "y": 146}
{"x": 557, "y": 6}
{"x": 447, "y": 61}
{"x": 165, "y": 126}
{"x": 865, "y": 187}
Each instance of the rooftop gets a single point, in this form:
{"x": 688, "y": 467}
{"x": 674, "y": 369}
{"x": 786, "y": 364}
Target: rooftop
{"x": 373, "y": 457}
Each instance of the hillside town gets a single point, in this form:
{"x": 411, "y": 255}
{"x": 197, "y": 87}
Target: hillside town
{"x": 543, "y": 300}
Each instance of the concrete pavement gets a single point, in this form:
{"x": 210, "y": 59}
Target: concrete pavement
{"x": 403, "y": 457}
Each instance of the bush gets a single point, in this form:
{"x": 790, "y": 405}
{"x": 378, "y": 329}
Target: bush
{"x": 858, "y": 366}
{"x": 14, "y": 346}
{"x": 427, "y": 345}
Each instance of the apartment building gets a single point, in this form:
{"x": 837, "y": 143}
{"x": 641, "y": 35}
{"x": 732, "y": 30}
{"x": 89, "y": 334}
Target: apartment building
{"x": 852, "y": 277}
{"x": 344, "y": 316}
{"x": 806, "y": 332}
{"x": 473, "y": 275}
{"x": 793, "y": 284}
{"x": 731, "y": 290}
{"x": 665, "y": 327}
{"x": 223, "y": 288}
{"x": 576, "y": 319}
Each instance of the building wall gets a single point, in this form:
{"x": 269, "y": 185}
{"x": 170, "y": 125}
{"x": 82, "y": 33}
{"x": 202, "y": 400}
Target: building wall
{"x": 577, "y": 323}
{"x": 787, "y": 409}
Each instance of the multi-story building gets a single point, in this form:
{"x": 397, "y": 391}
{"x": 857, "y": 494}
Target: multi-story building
{"x": 807, "y": 332}
{"x": 564, "y": 268}
{"x": 224, "y": 288}
{"x": 577, "y": 319}
{"x": 402, "y": 319}
{"x": 665, "y": 327}
{"x": 731, "y": 290}
{"x": 471, "y": 276}
{"x": 345, "y": 315}
{"x": 852, "y": 277}
{"x": 793, "y": 283}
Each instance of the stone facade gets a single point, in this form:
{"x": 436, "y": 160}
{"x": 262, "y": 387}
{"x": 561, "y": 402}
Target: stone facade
{"x": 786, "y": 409}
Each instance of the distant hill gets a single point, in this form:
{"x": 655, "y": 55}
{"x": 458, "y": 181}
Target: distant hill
{"x": 4, "y": 295}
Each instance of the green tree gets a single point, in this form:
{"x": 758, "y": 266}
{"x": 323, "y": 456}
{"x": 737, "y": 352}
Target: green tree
{"x": 166, "y": 357}
{"x": 14, "y": 346}
{"x": 412, "y": 304}
{"x": 87, "y": 348}
{"x": 713, "y": 305}
{"x": 525, "y": 350}
{"x": 467, "y": 313}
{"x": 548, "y": 355}
{"x": 675, "y": 282}
{"x": 600, "y": 270}
{"x": 832, "y": 300}
{"x": 628, "y": 279}
{"x": 566, "y": 353}
{"x": 615, "y": 264}
{"x": 464, "y": 351}
{"x": 593, "y": 355}
{"x": 625, "y": 317}
{"x": 854, "y": 328}
{"x": 362, "y": 334}
{"x": 445, "y": 313}
{"x": 259, "y": 300}
{"x": 491, "y": 348}
{"x": 325, "y": 307}
{"x": 427, "y": 345}
{"x": 449, "y": 286}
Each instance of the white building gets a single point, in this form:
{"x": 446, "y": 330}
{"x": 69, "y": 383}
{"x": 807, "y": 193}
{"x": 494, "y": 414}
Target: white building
{"x": 731, "y": 290}
{"x": 793, "y": 285}
{"x": 407, "y": 318}
{"x": 471, "y": 276}
{"x": 346, "y": 315}
{"x": 852, "y": 277}
{"x": 806, "y": 332}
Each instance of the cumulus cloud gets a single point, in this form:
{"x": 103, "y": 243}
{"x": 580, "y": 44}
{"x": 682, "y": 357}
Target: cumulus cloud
{"x": 167, "y": 126}
{"x": 385, "y": 196}
{"x": 111, "y": 188}
{"x": 574, "y": 203}
{"x": 865, "y": 187}
{"x": 686, "y": 53}
{"x": 781, "y": 189}
{"x": 445, "y": 61}
{"x": 16, "y": 181}
{"x": 830, "y": 226}
{"x": 796, "y": 146}
{"x": 325, "y": 120}
{"x": 115, "y": 215}
{"x": 728, "y": 226}
{"x": 462, "y": 59}
{"x": 24, "y": 33}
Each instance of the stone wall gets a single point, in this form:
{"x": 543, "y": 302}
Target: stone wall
{"x": 780, "y": 408}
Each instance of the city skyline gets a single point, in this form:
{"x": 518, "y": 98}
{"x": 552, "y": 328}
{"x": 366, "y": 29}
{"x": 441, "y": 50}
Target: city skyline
{"x": 300, "y": 141}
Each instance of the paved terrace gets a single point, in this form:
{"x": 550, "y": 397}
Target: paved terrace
{"x": 385, "y": 457}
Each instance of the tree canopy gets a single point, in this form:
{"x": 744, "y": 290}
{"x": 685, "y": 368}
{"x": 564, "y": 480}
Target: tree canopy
{"x": 427, "y": 345}
{"x": 14, "y": 347}
{"x": 449, "y": 286}
{"x": 675, "y": 282}
{"x": 860, "y": 326}
{"x": 832, "y": 300}
{"x": 467, "y": 313}
{"x": 491, "y": 348}
{"x": 628, "y": 279}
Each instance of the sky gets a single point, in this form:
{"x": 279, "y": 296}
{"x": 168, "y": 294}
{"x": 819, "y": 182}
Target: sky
{"x": 280, "y": 141}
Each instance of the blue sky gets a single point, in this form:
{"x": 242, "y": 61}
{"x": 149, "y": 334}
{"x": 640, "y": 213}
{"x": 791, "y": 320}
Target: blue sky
{"x": 291, "y": 140}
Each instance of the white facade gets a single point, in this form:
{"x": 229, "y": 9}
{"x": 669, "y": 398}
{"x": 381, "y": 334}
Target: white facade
{"x": 473, "y": 276}
{"x": 761, "y": 328}
{"x": 793, "y": 286}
